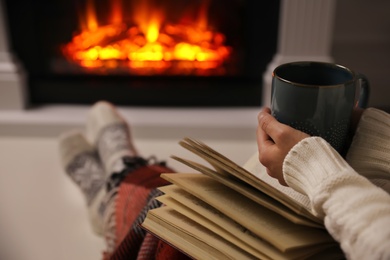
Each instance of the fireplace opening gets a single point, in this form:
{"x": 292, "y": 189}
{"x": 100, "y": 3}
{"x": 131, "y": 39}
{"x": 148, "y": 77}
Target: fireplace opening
{"x": 149, "y": 40}
{"x": 144, "y": 52}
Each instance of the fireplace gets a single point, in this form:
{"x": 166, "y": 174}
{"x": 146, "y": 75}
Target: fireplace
{"x": 144, "y": 52}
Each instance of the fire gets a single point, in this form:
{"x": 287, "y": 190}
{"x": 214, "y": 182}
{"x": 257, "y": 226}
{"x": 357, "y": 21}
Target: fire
{"x": 150, "y": 42}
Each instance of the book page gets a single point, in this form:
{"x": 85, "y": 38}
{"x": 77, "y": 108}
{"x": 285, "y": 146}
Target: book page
{"x": 255, "y": 195}
{"x": 263, "y": 222}
{"x": 201, "y": 220}
{"x": 174, "y": 238}
{"x": 225, "y": 166}
{"x": 207, "y": 216}
{"x": 210, "y": 245}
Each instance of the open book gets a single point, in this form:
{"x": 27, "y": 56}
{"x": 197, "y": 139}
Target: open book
{"x": 231, "y": 212}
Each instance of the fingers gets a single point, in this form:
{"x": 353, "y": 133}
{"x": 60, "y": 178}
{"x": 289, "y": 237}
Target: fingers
{"x": 268, "y": 124}
{"x": 271, "y": 144}
{"x": 266, "y": 109}
{"x": 263, "y": 139}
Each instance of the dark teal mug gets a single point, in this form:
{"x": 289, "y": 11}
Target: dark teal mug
{"x": 318, "y": 98}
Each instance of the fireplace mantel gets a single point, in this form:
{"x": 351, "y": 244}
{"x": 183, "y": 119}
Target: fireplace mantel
{"x": 147, "y": 123}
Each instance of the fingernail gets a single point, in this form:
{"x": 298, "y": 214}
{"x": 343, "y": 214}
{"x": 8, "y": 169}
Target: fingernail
{"x": 261, "y": 115}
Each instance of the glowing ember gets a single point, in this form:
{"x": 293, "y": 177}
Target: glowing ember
{"x": 151, "y": 43}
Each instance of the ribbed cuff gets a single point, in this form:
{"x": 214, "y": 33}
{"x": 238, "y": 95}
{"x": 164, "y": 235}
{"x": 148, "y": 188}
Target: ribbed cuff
{"x": 369, "y": 152}
{"x": 309, "y": 163}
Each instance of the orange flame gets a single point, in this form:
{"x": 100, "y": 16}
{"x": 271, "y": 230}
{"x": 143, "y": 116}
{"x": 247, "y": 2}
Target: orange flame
{"x": 152, "y": 43}
{"x": 116, "y": 12}
{"x": 92, "y": 23}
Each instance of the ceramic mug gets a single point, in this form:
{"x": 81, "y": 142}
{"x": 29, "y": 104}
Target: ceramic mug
{"x": 318, "y": 98}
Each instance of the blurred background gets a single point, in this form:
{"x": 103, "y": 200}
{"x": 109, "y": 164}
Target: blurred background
{"x": 362, "y": 42}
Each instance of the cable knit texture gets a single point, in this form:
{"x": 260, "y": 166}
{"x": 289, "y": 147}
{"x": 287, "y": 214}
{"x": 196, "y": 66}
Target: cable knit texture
{"x": 108, "y": 131}
{"x": 369, "y": 153}
{"x": 356, "y": 212}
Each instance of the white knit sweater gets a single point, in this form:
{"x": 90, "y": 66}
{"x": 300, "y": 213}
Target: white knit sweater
{"x": 355, "y": 211}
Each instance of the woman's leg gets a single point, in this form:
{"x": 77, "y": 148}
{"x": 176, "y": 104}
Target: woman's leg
{"x": 129, "y": 187}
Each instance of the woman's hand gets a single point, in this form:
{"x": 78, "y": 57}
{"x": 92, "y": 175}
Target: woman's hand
{"x": 274, "y": 141}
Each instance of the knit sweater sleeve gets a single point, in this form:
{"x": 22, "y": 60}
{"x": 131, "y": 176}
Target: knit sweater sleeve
{"x": 369, "y": 153}
{"x": 356, "y": 212}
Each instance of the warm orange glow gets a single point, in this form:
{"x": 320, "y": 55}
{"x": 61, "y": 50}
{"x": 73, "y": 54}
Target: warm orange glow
{"x": 152, "y": 43}
{"x": 92, "y": 23}
{"x": 116, "y": 12}
{"x": 202, "y": 17}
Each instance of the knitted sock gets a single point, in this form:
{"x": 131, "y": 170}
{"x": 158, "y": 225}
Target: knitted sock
{"x": 110, "y": 134}
{"x": 134, "y": 183}
{"x": 82, "y": 164}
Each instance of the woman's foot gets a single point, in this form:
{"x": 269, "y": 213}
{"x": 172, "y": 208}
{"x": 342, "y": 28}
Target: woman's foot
{"x": 82, "y": 164}
{"x": 110, "y": 134}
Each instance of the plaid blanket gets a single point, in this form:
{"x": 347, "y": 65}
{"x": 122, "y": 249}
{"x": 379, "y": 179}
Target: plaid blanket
{"x": 135, "y": 197}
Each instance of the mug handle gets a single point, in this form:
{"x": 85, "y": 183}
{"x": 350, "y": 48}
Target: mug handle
{"x": 364, "y": 91}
